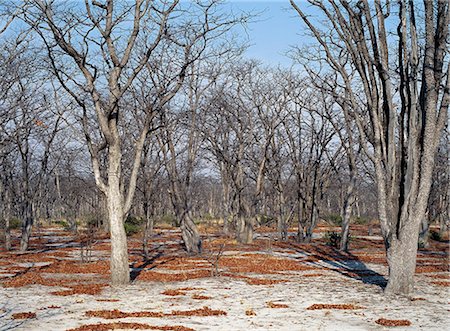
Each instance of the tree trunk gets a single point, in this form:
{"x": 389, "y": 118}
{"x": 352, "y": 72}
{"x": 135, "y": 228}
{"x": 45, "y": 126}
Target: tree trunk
{"x": 424, "y": 233}
{"x": 148, "y": 232}
{"x": 300, "y": 230}
{"x": 190, "y": 235}
{"x": 401, "y": 257}
{"x": 245, "y": 230}
{"x": 7, "y": 235}
{"x": 120, "y": 271}
{"x": 27, "y": 225}
{"x": 346, "y": 214}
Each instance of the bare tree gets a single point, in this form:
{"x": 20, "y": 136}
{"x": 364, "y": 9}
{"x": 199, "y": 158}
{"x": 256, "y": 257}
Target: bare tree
{"x": 96, "y": 51}
{"x": 403, "y": 139}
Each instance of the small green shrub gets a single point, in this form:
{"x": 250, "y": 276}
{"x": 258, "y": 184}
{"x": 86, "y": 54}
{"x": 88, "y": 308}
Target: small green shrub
{"x": 422, "y": 244}
{"x": 266, "y": 220}
{"x": 15, "y": 223}
{"x": 133, "y": 225}
{"x": 168, "y": 219}
{"x": 361, "y": 220}
{"x": 436, "y": 236}
{"x": 63, "y": 224}
{"x": 93, "y": 222}
{"x": 207, "y": 217}
{"x": 334, "y": 219}
{"x": 332, "y": 239}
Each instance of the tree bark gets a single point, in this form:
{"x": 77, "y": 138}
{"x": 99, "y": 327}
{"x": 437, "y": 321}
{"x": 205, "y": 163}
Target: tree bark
{"x": 27, "y": 225}
{"x": 191, "y": 237}
{"x": 346, "y": 214}
{"x": 120, "y": 273}
{"x": 401, "y": 257}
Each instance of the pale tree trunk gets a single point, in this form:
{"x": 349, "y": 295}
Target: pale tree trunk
{"x": 300, "y": 230}
{"x": 7, "y": 235}
{"x": 402, "y": 255}
{"x": 226, "y": 210}
{"x": 149, "y": 224}
{"x": 120, "y": 273}
{"x": 27, "y": 224}
{"x": 244, "y": 233}
{"x": 6, "y": 215}
{"x": 191, "y": 237}
{"x": 347, "y": 212}
{"x": 244, "y": 226}
{"x": 424, "y": 232}
{"x": 307, "y": 237}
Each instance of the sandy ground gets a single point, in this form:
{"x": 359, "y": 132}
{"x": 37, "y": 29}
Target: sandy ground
{"x": 246, "y": 306}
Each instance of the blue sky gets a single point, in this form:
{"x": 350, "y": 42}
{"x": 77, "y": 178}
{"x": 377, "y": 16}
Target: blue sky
{"x": 277, "y": 28}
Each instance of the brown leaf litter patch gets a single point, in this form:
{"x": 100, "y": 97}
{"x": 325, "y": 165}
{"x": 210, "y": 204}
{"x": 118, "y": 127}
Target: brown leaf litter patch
{"x": 179, "y": 291}
{"x": 200, "y": 297}
{"x": 129, "y": 326}
{"x": 313, "y": 275}
{"x": 76, "y": 286}
{"x": 176, "y": 263}
{"x": 173, "y": 292}
{"x": 318, "y": 306}
{"x": 386, "y": 322}
{"x": 114, "y": 314}
{"x": 31, "y": 278}
{"x": 90, "y": 289}
{"x": 23, "y": 316}
{"x": 250, "y": 312}
{"x": 439, "y": 276}
{"x": 271, "y": 304}
{"x": 445, "y": 284}
{"x": 73, "y": 267}
{"x": 431, "y": 268}
{"x": 172, "y": 277}
{"x": 205, "y": 311}
{"x": 256, "y": 281}
{"x": 28, "y": 258}
{"x": 262, "y": 264}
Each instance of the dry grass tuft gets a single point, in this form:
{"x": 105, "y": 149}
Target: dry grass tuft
{"x": 271, "y": 304}
{"x": 113, "y": 314}
{"x": 386, "y": 322}
{"x": 250, "y": 312}
{"x": 129, "y": 326}
{"x": 200, "y": 297}
{"x": 317, "y": 306}
{"x": 23, "y": 316}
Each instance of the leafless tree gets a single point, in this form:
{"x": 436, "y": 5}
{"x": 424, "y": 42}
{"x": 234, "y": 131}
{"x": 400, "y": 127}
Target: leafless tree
{"x": 96, "y": 52}
{"x": 399, "y": 128}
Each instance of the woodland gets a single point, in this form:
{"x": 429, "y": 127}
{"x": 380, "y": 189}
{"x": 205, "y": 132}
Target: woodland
{"x": 153, "y": 176}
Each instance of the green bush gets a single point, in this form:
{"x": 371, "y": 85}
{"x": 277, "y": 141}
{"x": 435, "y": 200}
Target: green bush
{"x": 168, "y": 219}
{"x": 266, "y": 220}
{"x": 208, "y": 217}
{"x": 332, "y": 239}
{"x": 361, "y": 220}
{"x": 133, "y": 225}
{"x": 15, "y": 223}
{"x": 436, "y": 236}
{"x": 63, "y": 224}
{"x": 334, "y": 219}
{"x": 93, "y": 222}
{"x": 422, "y": 243}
